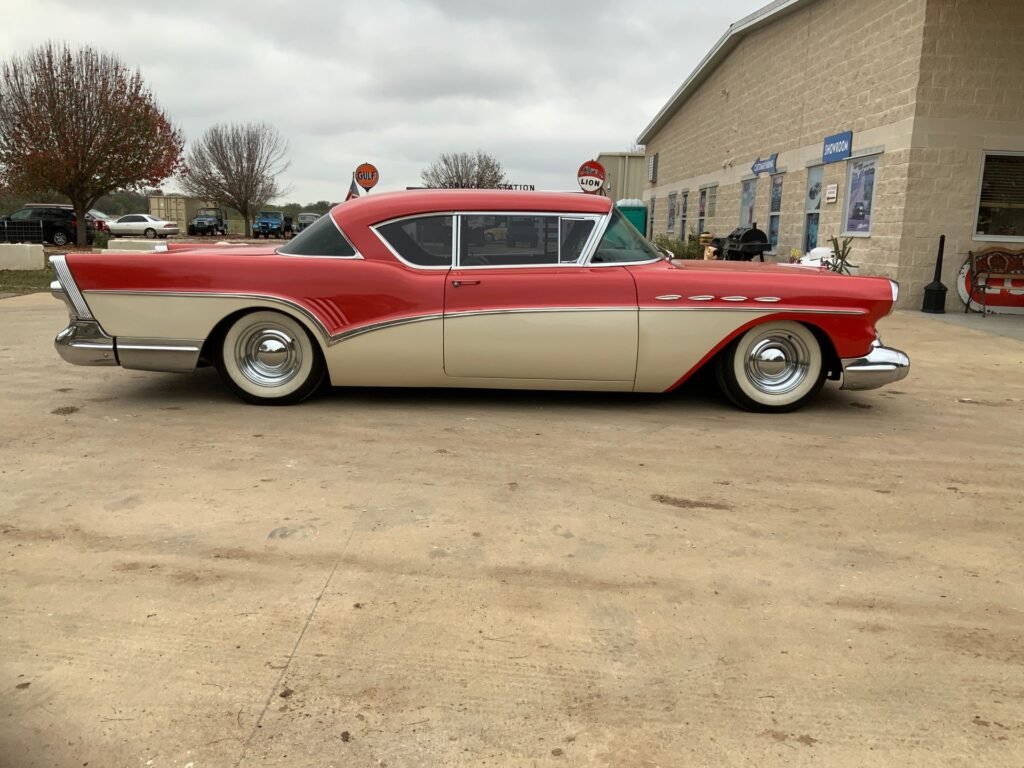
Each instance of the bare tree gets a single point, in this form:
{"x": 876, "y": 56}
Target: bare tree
{"x": 462, "y": 170}
{"x": 81, "y": 124}
{"x": 236, "y": 165}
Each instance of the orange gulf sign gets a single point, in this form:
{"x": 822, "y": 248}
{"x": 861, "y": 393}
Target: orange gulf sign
{"x": 367, "y": 176}
{"x": 591, "y": 176}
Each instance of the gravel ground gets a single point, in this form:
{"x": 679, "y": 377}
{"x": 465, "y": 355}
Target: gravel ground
{"x": 424, "y": 578}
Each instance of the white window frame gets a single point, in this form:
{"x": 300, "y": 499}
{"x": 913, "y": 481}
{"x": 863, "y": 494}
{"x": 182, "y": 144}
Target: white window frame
{"x": 650, "y": 219}
{"x": 877, "y": 157}
{"x": 977, "y": 203}
{"x": 670, "y": 224}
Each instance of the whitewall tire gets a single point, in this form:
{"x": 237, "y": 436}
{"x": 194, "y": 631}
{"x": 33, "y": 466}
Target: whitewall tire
{"x": 269, "y": 358}
{"x": 774, "y": 367}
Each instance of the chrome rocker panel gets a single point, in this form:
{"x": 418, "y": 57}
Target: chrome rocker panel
{"x": 880, "y": 366}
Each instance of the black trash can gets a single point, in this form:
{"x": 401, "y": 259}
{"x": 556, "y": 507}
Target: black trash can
{"x": 744, "y": 243}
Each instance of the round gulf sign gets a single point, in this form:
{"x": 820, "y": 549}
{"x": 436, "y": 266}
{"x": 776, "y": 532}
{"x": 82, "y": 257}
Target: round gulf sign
{"x": 367, "y": 176}
{"x": 591, "y": 176}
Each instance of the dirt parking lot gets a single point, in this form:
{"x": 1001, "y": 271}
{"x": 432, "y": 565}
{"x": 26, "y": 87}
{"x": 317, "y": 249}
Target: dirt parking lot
{"x": 423, "y": 578}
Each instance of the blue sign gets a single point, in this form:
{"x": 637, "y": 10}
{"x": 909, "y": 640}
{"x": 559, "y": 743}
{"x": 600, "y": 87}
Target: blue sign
{"x": 837, "y": 147}
{"x": 764, "y": 166}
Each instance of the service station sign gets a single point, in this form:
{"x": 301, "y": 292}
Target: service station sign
{"x": 591, "y": 177}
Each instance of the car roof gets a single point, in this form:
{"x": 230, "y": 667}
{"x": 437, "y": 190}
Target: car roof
{"x": 372, "y": 209}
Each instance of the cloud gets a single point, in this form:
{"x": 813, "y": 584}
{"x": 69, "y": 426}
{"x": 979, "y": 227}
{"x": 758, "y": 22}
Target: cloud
{"x": 542, "y": 85}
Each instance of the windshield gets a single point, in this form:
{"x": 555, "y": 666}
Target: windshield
{"x": 208, "y": 212}
{"x": 622, "y": 243}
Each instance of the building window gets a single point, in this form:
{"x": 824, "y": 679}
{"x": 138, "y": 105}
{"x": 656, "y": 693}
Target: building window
{"x": 671, "y": 226}
{"x": 775, "y": 211}
{"x": 652, "y": 168}
{"x": 650, "y": 219}
{"x": 860, "y": 194}
{"x": 712, "y": 200}
{"x": 747, "y": 199}
{"x": 1001, "y": 198}
{"x": 683, "y": 200}
{"x": 812, "y": 206}
{"x": 702, "y": 211}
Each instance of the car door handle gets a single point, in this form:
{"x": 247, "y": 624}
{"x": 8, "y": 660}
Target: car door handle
{"x": 457, "y": 283}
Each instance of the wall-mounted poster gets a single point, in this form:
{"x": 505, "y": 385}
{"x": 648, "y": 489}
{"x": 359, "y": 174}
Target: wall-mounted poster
{"x": 748, "y": 197}
{"x": 860, "y": 194}
{"x": 831, "y": 193}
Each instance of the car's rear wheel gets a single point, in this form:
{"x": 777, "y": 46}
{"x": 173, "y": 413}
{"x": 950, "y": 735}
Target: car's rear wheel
{"x": 269, "y": 358}
{"x": 150, "y": 233}
{"x": 60, "y": 237}
{"x": 774, "y": 367}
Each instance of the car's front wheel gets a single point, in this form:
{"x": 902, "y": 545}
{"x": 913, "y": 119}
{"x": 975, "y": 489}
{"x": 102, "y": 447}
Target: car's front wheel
{"x": 60, "y": 237}
{"x": 774, "y": 367}
{"x": 150, "y": 233}
{"x": 269, "y": 358}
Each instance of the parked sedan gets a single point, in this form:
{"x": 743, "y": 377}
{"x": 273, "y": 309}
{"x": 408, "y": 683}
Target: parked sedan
{"x": 387, "y": 290}
{"x": 142, "y": 224}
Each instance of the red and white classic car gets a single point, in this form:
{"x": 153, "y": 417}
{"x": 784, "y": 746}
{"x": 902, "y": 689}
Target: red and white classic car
{"x": 476, "y": 288}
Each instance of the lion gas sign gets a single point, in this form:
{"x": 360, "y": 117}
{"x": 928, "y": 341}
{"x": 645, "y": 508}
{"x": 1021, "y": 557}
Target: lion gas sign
{"x": 591, "y": 176}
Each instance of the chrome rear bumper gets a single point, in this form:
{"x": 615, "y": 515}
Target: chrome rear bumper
{"x": 83, "y": 342}
{"x": 880, "y": 366}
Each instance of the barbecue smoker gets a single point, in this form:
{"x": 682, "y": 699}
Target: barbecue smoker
{"x": 744, "y": 243}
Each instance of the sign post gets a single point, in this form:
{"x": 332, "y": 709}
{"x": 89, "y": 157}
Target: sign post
{"x": 591, "y": 177}
{"x": 367, "y": 176}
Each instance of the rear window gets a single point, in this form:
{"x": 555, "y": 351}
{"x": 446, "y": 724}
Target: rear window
{"x": 321, "y": 238}
{"x": 424, "y": 241}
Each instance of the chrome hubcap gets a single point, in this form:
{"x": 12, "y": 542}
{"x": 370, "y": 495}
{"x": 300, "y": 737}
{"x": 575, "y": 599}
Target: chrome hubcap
{"x": 268, "y": 355}
{"x": 777, "y": 363}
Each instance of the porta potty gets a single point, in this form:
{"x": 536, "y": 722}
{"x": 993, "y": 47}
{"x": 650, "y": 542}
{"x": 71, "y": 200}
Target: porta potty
{"x": 635, "y": 212}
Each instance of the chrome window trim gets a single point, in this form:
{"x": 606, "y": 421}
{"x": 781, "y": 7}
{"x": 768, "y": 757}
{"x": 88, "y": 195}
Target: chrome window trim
{"x": 356, "y": 253}
{"x": 67, "y": 281}
{"x": 375, "y": 228}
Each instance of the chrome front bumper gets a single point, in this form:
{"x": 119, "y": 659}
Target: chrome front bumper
{"x": 880, "y": 366}
{"x": 83, "y": 342}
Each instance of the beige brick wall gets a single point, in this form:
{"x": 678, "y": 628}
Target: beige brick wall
{"x": 970, "y": 99}
{"x": 833, "y": 66}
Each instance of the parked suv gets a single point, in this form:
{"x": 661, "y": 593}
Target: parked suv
{"x": 54, "y": 222}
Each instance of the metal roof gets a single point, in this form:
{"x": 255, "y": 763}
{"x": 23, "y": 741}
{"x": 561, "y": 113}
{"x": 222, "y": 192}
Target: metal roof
{"x": 725, "y": 45}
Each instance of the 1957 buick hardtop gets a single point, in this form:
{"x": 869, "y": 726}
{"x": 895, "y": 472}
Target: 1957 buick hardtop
{"x": 476, "y": 288}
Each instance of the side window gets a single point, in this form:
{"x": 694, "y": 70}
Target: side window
{"x": 425, "y": 241}
{"x": 321, "y": 238}
{"x": 131, "y": 219}
{"x": 573, "y": 235}
{"x": 622, "y": 243}
{"x": 508, "y": 241}
{"x": 23, "y": 215}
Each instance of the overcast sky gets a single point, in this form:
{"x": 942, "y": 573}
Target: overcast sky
{"x": 541, "y": 84}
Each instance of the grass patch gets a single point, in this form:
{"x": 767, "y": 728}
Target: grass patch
{"x": 26, "y": 280}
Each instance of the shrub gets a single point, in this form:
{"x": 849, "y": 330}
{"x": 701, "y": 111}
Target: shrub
{"x": 688, "y": 248}
{"x": 100, "y": 240}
